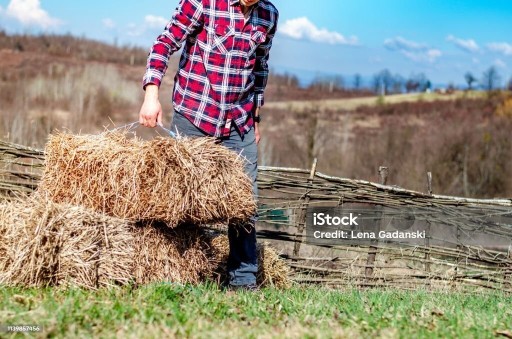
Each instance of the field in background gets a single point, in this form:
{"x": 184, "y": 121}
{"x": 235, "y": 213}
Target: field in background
{"x": 465, "y": 141}
{"x": 348, "y": 104}
{"x": 206, "y": 311}
{"x": 51, "y": 83}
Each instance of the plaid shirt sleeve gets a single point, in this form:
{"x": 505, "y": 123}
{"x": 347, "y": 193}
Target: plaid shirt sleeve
{"x": 186, "y": 19}
{"x": 261, "y": 67}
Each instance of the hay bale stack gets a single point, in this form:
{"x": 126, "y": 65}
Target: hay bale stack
{"x": 48, "y": 244}
{"x": 43, "y": 244}
{"x": 272, "y": 270}
{"x": 177, "y": 181}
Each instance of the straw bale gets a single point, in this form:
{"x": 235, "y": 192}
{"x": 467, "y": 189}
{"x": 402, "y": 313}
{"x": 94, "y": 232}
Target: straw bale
{"x": 179, "y": 255}
{"x": 190, "y": 254}
{"x": 48, "y": 244}
{"x": 272, "y": 270}
{"x": 43, "y": 244}
{"x": 173, "y": 180}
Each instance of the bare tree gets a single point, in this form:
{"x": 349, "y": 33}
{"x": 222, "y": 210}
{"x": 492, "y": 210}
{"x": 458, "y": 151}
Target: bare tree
{"x": 387, "y": 80}
{"x": 491, "y": 79}
{"x": 411, "y": 85}
{"x": 509, "y": 85}
{"x": 418, "y": 82}
{"x": 291, "y": 80}
{"x": 357, "y": 81}
{"x": 424, "y": 82}
{"x": 286, "y": 79}
{"x": 377, "y": 84}
{"x": 383, "y": 82}
{"x": 328, "y": 83}
{"x": 428, "y": 85}
{"x": 470, "y": 79}
{"x": 337, "y": 82}
{"x": 398, "y": 83}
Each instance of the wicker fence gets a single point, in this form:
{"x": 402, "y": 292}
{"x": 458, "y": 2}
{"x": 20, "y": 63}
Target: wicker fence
{"x": 285, "y": 194}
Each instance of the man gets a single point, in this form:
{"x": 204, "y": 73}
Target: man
{"x": 218, "y": 91}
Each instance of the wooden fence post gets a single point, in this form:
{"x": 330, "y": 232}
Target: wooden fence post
{"x": 459, "y": 250}
{"x": 372, "y": 250}
{"x": 427, "y": 237}
{"x": 507, "y": 274}
{"x": 302, "y": 219}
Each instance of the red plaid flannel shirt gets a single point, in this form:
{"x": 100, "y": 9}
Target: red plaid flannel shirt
{"x": 223, "y": 69}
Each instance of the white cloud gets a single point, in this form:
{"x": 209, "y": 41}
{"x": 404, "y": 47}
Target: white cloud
{"x": 153, "y": 21}
{"x": 468, "y": 45}
{"x": 108, "y": 23}
{"x": 135, "y": 30}
{"x": 428, "y": 56}
{"x": 30, "y": 13}
{"x": 415, "y": 51}
{"x": 303, "y": 29}
{"x": 500, "y": 63}
{"x": 501, "y": 47}
{"x": 150, "y": 24}
{"x": 400, "y": 43}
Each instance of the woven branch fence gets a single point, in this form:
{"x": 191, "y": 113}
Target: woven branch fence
{"x": 285, "y": 194}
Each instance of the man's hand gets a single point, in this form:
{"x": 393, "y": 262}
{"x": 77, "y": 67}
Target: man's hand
{"x": 256, "y": 126}
{"x": 151, "y": 111}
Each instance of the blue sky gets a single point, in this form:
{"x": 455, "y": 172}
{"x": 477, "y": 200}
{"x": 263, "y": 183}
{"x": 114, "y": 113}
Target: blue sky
{"x": 443, "y": 39}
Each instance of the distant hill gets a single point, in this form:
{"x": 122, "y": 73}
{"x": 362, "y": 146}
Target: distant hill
{"x": 73, "y": 47}
{"x": 23, "y": 54}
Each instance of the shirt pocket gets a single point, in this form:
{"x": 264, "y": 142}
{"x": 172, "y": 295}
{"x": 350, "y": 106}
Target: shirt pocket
{"x": 222, "y": 38}
{"x": 258, "y": 37}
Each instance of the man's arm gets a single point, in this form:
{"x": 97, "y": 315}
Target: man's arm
{"x": 187, "y": 18}
{"x": 261, "y": 75}
{"x": 261, "y": 67}
{"x": 151, "y": 111}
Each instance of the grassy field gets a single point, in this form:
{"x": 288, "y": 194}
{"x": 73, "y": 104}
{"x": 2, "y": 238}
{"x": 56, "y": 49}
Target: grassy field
{"x": 205, "y": 311}
{"x": 354, "y": 103}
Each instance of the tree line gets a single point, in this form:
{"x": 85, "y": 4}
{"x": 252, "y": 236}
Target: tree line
{"x": 385, "y": 82}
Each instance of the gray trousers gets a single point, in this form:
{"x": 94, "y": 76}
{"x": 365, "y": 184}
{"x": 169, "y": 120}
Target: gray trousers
{"x": 243, "y": 258}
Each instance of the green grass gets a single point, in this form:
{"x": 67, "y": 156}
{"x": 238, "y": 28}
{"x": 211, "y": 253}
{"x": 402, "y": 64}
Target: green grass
{"x": 166, "y": 310}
